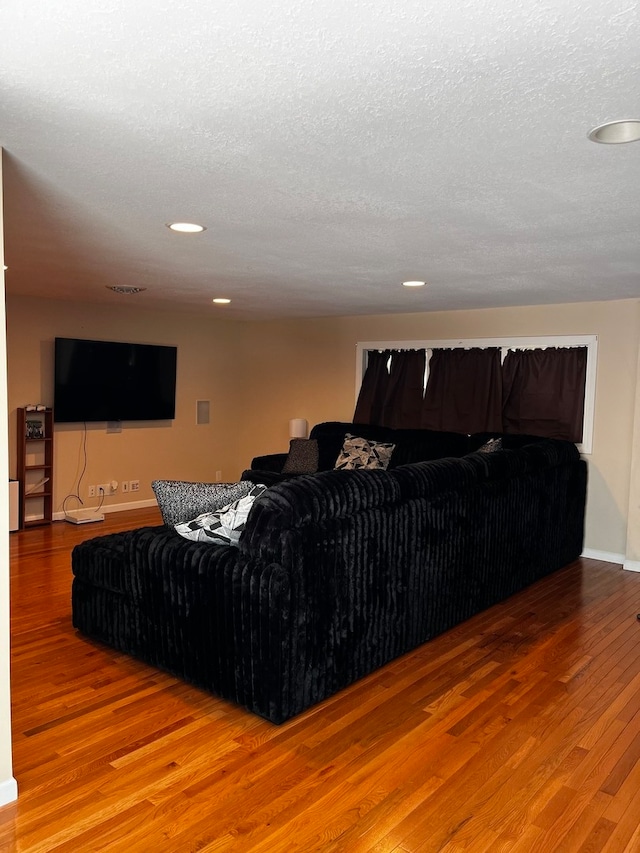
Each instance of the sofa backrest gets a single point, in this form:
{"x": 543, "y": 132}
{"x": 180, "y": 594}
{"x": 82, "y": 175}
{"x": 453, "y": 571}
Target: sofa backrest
{"x": 314, "y": 501}
{"x": 509, "y": 442}
{"x": 308, "y": 501}
{"x": 411, "y": 445}
{"x": 425, "y": 445}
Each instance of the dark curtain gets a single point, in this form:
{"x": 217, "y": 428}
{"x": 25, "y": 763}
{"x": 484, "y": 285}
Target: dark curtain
{"x": 403, "y": 400}
{"x": 543, "y": 392}
{"x": 373, "y": 390}
{"x": 464, "y": 391}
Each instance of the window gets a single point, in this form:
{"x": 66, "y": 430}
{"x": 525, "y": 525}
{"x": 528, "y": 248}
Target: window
{"x": 589, "y": 342}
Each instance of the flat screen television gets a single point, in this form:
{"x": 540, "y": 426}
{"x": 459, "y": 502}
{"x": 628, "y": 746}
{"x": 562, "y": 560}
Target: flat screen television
{"x": 113, "y": 381}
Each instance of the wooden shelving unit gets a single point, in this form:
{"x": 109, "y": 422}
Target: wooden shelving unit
{"x": 35, "y": 467}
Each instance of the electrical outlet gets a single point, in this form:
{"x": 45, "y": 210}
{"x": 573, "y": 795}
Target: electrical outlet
{"x": 91, "y": 491}
{"x": 134, "y": 485}
{"x": 125, "y": 486}
{"x": 218, "y": 476}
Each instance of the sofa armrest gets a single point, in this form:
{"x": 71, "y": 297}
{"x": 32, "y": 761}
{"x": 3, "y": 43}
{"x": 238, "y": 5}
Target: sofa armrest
{"x": 266, "y": 478}
{"x": 270, "y": 462}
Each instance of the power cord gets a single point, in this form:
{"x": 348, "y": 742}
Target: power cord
{"x": 76, "y": 494}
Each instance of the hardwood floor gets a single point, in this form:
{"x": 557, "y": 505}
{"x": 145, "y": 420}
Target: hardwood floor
{"x": 517, "y": 731}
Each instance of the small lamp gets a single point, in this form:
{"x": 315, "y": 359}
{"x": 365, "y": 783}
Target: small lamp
{"x": 298, "y": 428}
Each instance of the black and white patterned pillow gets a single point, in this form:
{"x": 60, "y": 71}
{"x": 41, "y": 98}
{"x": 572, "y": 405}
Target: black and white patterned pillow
{"x": 225, "y": 525}
{"x": 180, "y": 500}
{"x": 359, "y": 453}
{"x": 302, "y": 458}
{"x": 491, "y": 446}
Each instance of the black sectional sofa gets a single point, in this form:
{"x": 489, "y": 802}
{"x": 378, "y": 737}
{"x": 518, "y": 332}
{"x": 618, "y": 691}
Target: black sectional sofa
{"x": 337, "y": 572}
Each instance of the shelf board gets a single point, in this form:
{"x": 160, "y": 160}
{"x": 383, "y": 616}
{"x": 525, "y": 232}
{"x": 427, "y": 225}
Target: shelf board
{"x": 36, "y": 522}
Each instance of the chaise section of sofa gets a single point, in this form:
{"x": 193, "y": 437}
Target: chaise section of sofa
{"x": 336, "y": 574}
{"x": 198, "y": 611}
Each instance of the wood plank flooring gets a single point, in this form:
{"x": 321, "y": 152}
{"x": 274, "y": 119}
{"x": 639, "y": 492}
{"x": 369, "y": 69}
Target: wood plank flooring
{"x": 517, "y": 731}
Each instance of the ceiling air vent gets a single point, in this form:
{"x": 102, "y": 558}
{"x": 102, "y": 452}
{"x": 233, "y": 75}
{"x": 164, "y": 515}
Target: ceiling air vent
{"x": 124, "y": 288}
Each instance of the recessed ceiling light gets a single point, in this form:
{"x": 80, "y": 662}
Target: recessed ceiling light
{"x": 616, "y": 132}
{"x": 221, "y": 300}
{"x": 124, "y": 288}
{"x": 186, "y": 227}
{"x": 413, "y": 283}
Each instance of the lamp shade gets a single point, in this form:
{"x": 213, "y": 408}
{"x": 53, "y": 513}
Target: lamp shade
{"x": 298, "y": 428}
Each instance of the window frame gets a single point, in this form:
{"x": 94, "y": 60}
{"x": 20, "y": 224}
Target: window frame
{"x": 505, "y": 344}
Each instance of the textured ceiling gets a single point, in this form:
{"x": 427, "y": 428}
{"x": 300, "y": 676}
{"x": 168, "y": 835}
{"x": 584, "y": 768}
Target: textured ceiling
{"x": 332, "y": 150}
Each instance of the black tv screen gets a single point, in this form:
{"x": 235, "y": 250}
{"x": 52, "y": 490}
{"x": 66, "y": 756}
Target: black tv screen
{"x": 113, "y": 381}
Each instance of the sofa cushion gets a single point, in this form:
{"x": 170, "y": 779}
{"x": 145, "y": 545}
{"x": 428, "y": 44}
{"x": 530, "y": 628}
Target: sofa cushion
{"x": 302, "y": 457}
{"x": 357, "y": 452}
{"x": 222, "y": 526}
{"x": 180, "y": 500}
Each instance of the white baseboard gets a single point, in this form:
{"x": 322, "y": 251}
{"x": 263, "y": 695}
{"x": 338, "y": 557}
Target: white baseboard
{"x": 605, "y": 556}
{"x": 8, "y": 791}
{"x": 59, "y": 516}
{"x": 609, "y": 557}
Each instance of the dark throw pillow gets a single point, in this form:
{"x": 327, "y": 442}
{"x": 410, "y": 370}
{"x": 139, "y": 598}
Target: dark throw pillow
{"x": 302, "y": 458}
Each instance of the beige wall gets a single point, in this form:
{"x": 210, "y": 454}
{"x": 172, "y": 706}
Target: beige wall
{"x": 259, "y": 375}
{"x": 307, "y": 369}
{"x": 632, "y": 552}
{"x": 176, "y": 449}
{"x": 8, "y": 789}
